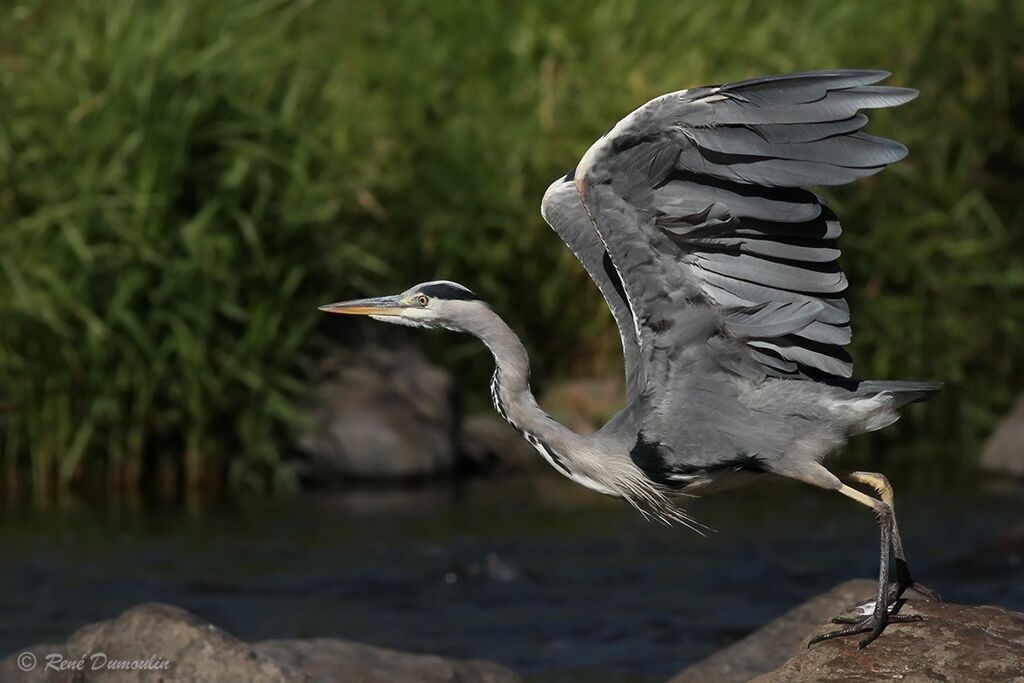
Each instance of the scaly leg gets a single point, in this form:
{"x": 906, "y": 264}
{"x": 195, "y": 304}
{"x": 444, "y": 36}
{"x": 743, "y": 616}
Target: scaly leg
{"x": 880, "y": 483}
{"x": 874, "y": 623}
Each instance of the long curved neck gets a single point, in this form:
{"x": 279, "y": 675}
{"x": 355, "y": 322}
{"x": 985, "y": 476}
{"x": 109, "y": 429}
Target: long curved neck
{"x": 510, "y": 391}
{"x": 511, "y": 384}
{"x": 597, "y": 463}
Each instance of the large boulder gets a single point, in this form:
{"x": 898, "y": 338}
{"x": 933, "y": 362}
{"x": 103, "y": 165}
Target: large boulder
{"x": 490, "y": 443}
{"x": 1004, "y": 450}
{"x": 327, "y": 660}
{"x": 382, "y": 414}
{"x": 953, "y": 643}
{"x": 771, "y": 645}
{"x": 167, "y": 643}
{"x": 155, "y": 642}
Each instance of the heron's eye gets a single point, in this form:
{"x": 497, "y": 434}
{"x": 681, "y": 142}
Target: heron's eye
{"x": 422, "y": 300}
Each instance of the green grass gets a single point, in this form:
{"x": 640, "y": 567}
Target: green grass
{"x": 181, "y": 183}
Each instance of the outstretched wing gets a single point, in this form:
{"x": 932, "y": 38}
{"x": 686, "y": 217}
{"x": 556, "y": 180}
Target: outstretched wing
{"x": 724, "y": 259}
{"x": 563, "y": 210}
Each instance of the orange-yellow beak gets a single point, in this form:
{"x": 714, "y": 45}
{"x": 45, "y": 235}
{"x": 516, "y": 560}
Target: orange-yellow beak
{"x": 382, "y": 305}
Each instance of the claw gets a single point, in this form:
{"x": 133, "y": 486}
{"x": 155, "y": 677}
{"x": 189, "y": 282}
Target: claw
{"x": 875, "y": 632}
{"x": 925, "y": 591}
{"x": 879, "y": 626}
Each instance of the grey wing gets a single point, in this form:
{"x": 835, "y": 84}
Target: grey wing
{"x": 563, "y": 210}
{"x": 728, "y": 265}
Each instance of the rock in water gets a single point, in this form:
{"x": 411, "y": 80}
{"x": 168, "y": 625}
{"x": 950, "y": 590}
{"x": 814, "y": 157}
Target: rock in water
{"x": 327, "y": 660}
{"x": 382, "y": 414}
{"x": 771, "y": 645}
{"x": 489, "y": 443}
{"x": 184, "y": 649}
{"x": 1004, "y": 450}
{"x": 954, "y": 643}
{"x": 155, "y": 642}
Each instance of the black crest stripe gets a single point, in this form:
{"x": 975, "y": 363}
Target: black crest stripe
{"x": 450, "y": 292}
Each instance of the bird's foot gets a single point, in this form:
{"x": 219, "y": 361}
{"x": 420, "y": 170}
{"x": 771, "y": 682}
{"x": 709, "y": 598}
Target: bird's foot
{"x": 924, "y": 591}
{"x": 905, "y": 581}
{"x": 870, "y": 620}
{"x": 866, "y": 610}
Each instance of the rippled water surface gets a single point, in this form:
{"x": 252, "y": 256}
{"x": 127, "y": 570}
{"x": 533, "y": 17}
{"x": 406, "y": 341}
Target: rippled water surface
{"x": 558, "y": 583}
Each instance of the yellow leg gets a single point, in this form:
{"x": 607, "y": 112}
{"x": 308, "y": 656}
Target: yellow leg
{"x": 880, "y": 483}
{"x": 865, "y": 499}
{"x": 875, "y": 623}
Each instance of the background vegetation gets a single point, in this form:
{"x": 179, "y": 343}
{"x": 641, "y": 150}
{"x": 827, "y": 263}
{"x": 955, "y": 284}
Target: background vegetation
{"x": 181, "y": 183}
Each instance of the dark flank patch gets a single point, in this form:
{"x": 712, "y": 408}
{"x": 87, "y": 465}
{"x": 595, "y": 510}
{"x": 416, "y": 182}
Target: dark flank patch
{"x": 649, "y": 456}
{"x": 741, "y": 460}
{"x": 449, "y": 292}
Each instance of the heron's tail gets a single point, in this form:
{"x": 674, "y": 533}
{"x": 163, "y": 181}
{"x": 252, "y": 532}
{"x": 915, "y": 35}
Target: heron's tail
{"x": 876, "y": 404}
{"x": 904, "y": 392}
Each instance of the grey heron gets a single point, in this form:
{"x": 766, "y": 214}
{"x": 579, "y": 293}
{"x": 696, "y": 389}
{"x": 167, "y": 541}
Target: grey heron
{"x": 720, "y": 269}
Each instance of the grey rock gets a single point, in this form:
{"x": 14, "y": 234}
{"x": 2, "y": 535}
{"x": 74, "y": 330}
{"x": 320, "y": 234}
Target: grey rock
{"x": 490, "y": 443}
{"x": 327, "y": 661}
{"x": 953, "y": 643}
{"x": 1004, "y": 451}
{"x": 771, "y": 645}
{"x": 382, "y": 414}
{"x": 181, "y": 647}
{"x": 178, "y": 647}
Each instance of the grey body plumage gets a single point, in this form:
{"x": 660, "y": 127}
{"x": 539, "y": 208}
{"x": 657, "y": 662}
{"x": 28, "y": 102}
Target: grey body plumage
{"x": 721, "y": 273}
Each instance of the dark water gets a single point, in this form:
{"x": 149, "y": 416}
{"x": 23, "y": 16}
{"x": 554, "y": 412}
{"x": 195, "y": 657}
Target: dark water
{"x": 558, "y": 583}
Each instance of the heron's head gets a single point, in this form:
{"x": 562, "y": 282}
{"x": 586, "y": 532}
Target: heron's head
{"x": 436, "y": 304}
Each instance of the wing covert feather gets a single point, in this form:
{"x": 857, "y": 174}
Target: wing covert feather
{"x": 724, "y": 257}
{"x": 563, "y": 210}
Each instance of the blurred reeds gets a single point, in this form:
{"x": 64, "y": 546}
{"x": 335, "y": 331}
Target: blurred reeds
{"x": 181, "y": 183}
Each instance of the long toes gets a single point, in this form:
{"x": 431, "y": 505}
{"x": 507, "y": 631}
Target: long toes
{"x": 847, "y": 620}
{"x": 896, "y": 591}
{"x": 866, "y": 640}
{"x": 873, "y": 624}
{"x": 925, "y": 591}
{"x": 904, "y": 618}
{"x": 859, "y": 626}
{"x": 859, "y": 613}
{"x": 878, "y": 623}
